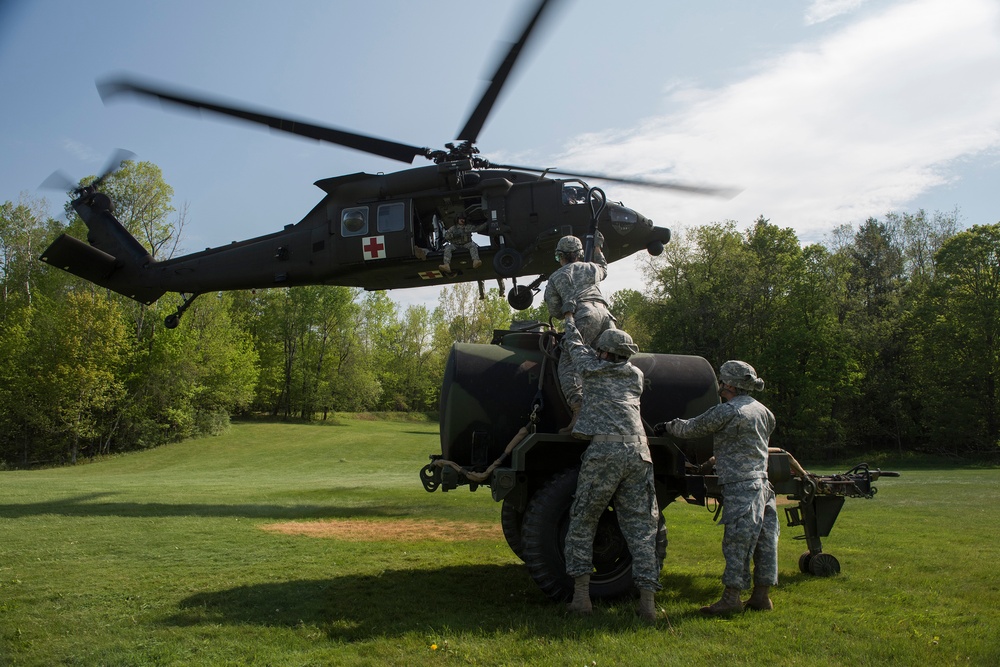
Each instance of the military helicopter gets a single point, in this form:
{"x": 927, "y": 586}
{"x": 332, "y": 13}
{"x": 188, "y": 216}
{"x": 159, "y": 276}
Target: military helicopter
{"x": 375, "y": 231}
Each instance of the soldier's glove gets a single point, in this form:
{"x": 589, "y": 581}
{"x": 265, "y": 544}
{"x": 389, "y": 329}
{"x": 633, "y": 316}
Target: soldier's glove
{"x": 707, "y": 467}
{"x": 660, "y": 429}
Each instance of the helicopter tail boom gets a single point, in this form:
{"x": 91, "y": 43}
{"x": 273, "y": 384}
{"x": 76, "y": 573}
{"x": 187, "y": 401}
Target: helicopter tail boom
{"x": 114, "y": 259}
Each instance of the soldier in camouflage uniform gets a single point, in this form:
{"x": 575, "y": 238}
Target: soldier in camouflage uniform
{"x": 616, "y": 465}
{"x": 741, "y": 428}
{"x": 573, "y": 288}
{"x": 460, "y": 236}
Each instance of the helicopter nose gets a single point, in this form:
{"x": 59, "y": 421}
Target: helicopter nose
{"x": 624, "y": 220}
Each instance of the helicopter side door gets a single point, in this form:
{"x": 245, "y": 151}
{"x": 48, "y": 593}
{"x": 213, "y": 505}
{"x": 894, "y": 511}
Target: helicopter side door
{"x": 371, "y": 233}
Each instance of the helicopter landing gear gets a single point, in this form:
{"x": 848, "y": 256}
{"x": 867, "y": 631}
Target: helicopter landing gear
{"x": 507, "y": 262}
{"x": 521, "y": 296}
{"x": 171, "y": 321}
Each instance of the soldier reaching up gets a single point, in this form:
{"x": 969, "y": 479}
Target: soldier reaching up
{"x": 573, "y": 288}
{"x": 616, "y": 466}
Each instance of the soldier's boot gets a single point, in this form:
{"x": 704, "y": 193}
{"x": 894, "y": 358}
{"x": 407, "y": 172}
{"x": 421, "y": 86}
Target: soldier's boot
{"x": 759, "y": 600}
{"x": 445, "y": 267}
{"x": 647, "y": 607}
{"x": 476, "y": 263}
{"x": 420, "y": 253}
{"x": 572, "y": 422}
{"x": 729, "y": 603}
{"x": 581, "y": 596}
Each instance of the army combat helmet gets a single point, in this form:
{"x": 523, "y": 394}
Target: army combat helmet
{"x": 741, "y": 375}
{"x": 570, "y": 247}
{"x": 616, "y": 342}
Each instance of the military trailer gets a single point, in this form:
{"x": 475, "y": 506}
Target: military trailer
{"x": 501, "y": 411}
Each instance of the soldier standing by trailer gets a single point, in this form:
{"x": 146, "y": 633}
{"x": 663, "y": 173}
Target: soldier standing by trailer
{"x": 741, "y": 428}
{"x": 573, "y": 288}
{"x": 460, "y": 236}
{"x": 616, "y": 465}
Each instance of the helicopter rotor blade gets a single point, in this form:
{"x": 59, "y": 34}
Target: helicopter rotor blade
{"x": 708, "y": 191}
{"x": 59, "y": 180}
{"x": 114, "y": 164}
{"x": 478, "y": 117}
{"x": 114, "y": 87}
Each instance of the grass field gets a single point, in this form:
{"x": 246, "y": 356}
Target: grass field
{"x": 280, "y": 544}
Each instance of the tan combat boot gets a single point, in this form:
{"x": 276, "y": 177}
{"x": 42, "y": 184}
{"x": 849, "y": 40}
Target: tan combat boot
{"x": 476, "y": 263}
{"x": 581, "y": 596}
{"x": 445, "y": 267}
{"x": 759, "y": 601}
{"x": 729, "y": 603}
{"x": 647, "y": 607}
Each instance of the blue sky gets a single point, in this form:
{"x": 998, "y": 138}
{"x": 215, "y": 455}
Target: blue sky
{"x": 824, "y": 112}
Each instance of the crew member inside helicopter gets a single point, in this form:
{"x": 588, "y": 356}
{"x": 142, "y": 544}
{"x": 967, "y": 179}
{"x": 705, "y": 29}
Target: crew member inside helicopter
{"x": 460, "y": 236}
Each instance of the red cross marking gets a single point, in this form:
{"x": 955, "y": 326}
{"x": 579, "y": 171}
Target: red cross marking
{"x": 373, "y": 247}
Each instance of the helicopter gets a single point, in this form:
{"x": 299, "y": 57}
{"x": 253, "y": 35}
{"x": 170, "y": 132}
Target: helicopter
{"x": 375, "y": 231}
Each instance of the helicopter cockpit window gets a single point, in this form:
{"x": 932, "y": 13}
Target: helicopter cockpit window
{"x": 354, "y": 221}
{"x": 574, "y": 194}
{"x": 391, "y": 217}
{"x": 622, "y": 214}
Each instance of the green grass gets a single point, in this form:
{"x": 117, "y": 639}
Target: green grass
{"x": 158, "y": 558}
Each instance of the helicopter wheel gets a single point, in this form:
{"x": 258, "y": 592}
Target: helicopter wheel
{"x": 507, "y": 262}
{"x": 520, "y": 297}
{"x": 171, "y": 321}
{"x": 655, "y": 248}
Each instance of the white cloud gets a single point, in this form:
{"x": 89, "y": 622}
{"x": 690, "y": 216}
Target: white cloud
{"x": 824, "y": 10}
{"x": 856, "y": 124}
{"x": 81, "y": 151}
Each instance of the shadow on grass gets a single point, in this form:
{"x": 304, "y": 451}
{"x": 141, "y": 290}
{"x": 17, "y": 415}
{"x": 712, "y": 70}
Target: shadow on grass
{"x": 453, "y": 600}
{"x": 90, "y": 505}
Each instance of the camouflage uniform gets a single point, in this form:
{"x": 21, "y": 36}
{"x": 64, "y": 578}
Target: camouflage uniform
{"x": 573, "y": 288}
{"x": 460, "y": 236}
{"x": 741, "y": 428}
{"x": 616, "y": 465}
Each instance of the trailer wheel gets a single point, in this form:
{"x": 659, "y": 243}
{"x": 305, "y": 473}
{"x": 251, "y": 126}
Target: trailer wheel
{"x": 510, "y": 521}
{"x": 543, "y": 538}
{"x": 824, "y": 565}
{"x": 804, "y": 562}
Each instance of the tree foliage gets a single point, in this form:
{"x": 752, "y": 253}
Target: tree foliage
{"x": 885, "y": 336}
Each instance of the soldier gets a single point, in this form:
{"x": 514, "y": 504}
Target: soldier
{"x": 460, "y": 235}
{"x": 741, "y": 428}
{"x": 616, "y": 465}
{"x": 573, "y": 288}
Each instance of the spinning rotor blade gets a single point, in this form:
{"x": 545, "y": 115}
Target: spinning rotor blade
{"x": 58, "y": 180}
{"x": 110, "y": 88}
{"x": 114, "y": 164}
{"x": 708, "y": 191}
{"x": 478, "y": 118}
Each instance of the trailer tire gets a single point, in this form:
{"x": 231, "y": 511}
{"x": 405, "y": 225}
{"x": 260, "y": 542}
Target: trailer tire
{"x": 804, "y": 562}
{"x": 510, "y": 521}
{"x": 824, "y": 565}
{"x": 543, "y": 538}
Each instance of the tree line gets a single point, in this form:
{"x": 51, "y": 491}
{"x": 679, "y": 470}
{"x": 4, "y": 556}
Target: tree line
{"x": 883, "y": 337}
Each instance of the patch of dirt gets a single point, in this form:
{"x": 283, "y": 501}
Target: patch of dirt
{"x": 415, "y": 530}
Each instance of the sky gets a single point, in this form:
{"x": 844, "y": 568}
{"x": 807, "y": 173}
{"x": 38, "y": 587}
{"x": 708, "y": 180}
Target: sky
{"x": 822, "y": 113}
